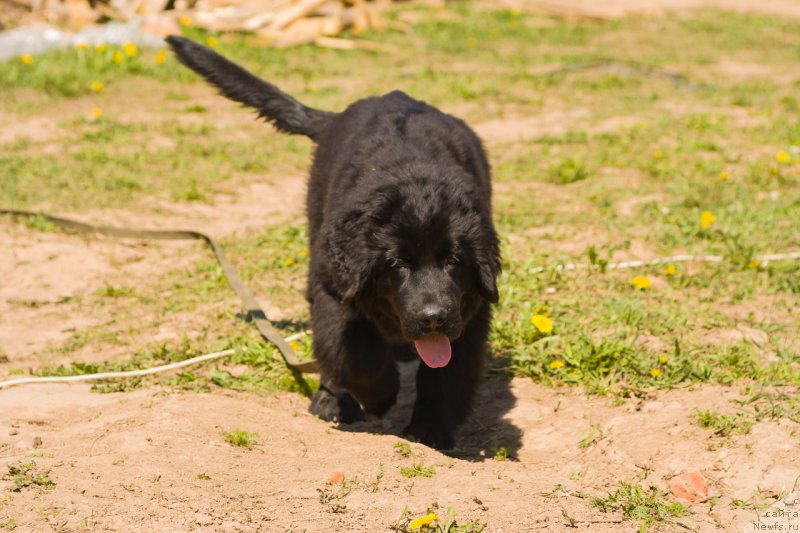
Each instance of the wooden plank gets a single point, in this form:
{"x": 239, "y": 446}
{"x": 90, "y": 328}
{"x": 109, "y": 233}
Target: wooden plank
{"x": 293, "y": 13}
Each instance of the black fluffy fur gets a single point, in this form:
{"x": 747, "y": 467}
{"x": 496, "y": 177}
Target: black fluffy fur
{"x": 402, "y": 245}
{"x": 234, "y": 82}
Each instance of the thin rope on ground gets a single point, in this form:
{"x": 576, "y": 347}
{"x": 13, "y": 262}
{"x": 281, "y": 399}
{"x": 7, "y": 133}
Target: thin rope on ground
{"x": 762, "y": 259}
{"x": 128, "y": 373}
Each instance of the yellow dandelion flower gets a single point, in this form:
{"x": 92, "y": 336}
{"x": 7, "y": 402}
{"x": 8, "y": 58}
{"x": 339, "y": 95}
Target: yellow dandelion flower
{"x": 295, "y": 346}
{"x": 706, "y": 219}
{"x": 212, "y": 42}
{"x": 81, "y": 46}
{"x": 26, "y": 59}
{"x": 724, "y": 175}
{"x": 640, "y": 282}
{"x": 658, "y": 154}
{"x": 783, "y": 157}
{"x": 161, "y": 56}
{"x": 96, "y": 112}
{"x": 119, "y": 57}
{"x": 542, "y": 323}
{"x": 555, "y": 365}
{"x": 288, "y": 261}
{"x": 130, "y": 49}
{"x": 100, "y": 47}
{"x": 540, "y": 310}
{"x": 670, "y": 270}
{"x": 752, "y": 265}
{"x": 97, "y": 86}
{"x": 655, "y": 373}
{"x": 303, "y": 252}
{"x": 773, "y": 168}
{"x": 427, "y": 520}
{"x": 663, "y": 360}
{"x": 185, "y": 20}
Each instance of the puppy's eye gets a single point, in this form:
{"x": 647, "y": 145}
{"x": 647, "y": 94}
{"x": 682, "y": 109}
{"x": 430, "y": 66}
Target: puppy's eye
{"x": 452, "y": 260}
{"x": 397, "y": 263}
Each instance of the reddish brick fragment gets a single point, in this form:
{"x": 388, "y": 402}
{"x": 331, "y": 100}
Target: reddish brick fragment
{"x": 689, "y": 487}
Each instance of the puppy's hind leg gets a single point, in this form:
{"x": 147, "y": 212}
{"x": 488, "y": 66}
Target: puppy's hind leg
{"x": 357, "y": 369}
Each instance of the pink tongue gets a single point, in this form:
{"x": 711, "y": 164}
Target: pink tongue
{"x": 434, "y": 349}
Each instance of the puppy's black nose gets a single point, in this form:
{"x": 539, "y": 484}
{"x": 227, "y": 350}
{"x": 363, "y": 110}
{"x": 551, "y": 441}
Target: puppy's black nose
{"x": 432, "y": 316}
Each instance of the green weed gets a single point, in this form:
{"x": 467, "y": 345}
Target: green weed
{"x": 418, "y": 470}
{"x": 241, "y": 438}
{"x": 649, "y": 507}
{"x": 25, "y": 474}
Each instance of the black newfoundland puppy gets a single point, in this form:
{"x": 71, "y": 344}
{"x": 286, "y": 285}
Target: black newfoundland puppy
{"x": 404, "y": 254}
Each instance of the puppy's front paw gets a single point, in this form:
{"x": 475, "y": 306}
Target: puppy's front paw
{"x": 335, "y": 408}
{"x": 430, "y": 433}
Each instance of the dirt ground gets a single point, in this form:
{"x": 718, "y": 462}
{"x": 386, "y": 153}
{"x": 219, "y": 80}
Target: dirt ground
{"x": 155, "y": 460}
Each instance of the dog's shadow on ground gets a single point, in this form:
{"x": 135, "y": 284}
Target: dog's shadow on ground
{"x": 485, "y": 435}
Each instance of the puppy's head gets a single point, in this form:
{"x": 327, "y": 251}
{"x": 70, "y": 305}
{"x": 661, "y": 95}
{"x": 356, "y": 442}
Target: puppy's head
{"x": 419, "y": 256}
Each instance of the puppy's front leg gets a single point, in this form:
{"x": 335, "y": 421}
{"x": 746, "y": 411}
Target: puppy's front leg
{"x": 354, "y": 361}
{"x": 445, "y": 395}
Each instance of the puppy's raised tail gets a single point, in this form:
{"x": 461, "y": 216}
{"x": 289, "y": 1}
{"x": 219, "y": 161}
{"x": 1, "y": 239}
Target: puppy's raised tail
{"x": 234, "y": 82}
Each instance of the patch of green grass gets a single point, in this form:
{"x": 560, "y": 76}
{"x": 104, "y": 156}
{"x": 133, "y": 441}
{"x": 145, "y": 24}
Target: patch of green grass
{"x": 649, "y": 507}
{"x": 241, "y": 438}
{"x": 267, "y": 372}
{"x": 568, "y": 171}
{"x": 402, "y": 448}
{"x": 8, "y": 524}
{"x": 418, "y": 470}
{"x": 500, "y": 452}
{"x": 25, "y": 474}
{"x": 110, "y": 291}
{"x": 72, "y": 72}
{"x": 771, "y": 405}
{"x": 756, "y": 406}
{"x": 723, "y": 425}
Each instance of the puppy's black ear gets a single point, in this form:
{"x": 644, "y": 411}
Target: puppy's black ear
{"x": 487, "y": 258}
{"x": 345, "y": 246}
{"x": 488, "y": 270}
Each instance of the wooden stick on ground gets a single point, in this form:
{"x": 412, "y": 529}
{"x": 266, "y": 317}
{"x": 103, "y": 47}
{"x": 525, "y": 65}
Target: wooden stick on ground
{"x": 291, "y": 14}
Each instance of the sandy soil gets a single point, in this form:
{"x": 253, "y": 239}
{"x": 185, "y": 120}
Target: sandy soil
{"x": 154, "y": 460}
